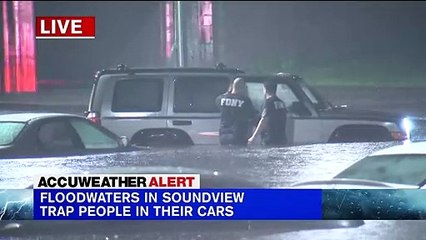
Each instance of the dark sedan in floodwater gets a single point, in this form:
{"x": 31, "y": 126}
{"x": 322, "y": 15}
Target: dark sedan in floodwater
{"x": 54, "y": 134}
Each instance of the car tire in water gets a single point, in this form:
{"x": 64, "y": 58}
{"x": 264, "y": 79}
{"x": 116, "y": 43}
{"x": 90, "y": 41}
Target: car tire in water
{"x": 360, "y": 133}
{"x": 161, "y": 138}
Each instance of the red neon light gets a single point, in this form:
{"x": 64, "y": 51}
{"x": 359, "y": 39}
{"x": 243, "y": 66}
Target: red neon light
{"x": 19, "y": 45}
{"x": 169, "y": 28}
{"x": 7, "y": 64}
{"x": 17, "y": 52}
{"x": 25, "y": 46}
{"x": 206, "y": 22}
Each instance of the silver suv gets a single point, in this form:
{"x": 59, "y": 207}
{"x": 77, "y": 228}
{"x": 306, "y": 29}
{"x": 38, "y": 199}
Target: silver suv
{"x": 166, "y": 106}
{"x": 176, "y": 106}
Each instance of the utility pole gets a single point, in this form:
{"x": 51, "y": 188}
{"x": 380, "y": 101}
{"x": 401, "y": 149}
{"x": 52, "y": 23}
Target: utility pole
{"x": 179, "y": 29}
{"x": 218, "y": 34}
{"x": 193, "y": 33}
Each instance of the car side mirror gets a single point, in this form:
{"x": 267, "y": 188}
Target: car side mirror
{"x": 124, "y": 141}
{"x": 341, "y": 106}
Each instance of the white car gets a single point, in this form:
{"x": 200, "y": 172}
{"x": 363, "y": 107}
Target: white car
{"x": 401, "y": 167}
{"x": 172, "y": 106}
{"x": 387, "y": 185}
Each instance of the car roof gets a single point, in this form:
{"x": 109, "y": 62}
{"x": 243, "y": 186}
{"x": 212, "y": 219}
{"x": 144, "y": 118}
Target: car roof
{"x": 409, "y": 148}
{"x": 122, "y": 69}
{"x": 273, "y": 76}
{"x": 25, "y": 117}
{"x": 342, "y": 183}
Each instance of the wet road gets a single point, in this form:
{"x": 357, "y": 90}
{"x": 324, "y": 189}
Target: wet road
{"x": 277, "y": 167}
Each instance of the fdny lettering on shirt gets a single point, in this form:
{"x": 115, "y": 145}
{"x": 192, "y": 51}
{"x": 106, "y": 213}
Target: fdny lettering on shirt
{"x": 279, "y": 105}
{"x": 230, "y": 102}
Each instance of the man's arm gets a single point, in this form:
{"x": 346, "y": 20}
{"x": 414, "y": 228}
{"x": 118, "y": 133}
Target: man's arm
{"x": 262, "y": 125}
{"x": 267, "y": 108}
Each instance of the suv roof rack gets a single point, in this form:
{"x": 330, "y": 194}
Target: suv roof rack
{"x": 121, "y": 68}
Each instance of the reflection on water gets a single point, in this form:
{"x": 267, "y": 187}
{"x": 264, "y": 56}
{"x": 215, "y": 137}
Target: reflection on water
{"x": 274, "y": 167}
{"x": 371, "y": 230}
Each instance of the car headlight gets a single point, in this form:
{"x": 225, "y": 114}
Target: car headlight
{"x": 407, "y": 125}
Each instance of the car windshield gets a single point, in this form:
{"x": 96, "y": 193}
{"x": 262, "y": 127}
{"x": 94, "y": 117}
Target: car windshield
{"x": 313, "y": 96}
{"x": 399, "y": 169}
{"x": 9, "y": 131}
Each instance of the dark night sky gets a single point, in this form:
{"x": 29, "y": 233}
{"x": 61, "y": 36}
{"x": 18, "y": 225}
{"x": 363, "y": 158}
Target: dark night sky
{"x": 307, "y": 36}
{"x": 126, "y": 32}
{"x": 325, "y": 35}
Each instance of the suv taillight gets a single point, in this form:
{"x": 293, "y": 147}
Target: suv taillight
{"x": 399, "y": 136}
{"x": 94, "y": 117}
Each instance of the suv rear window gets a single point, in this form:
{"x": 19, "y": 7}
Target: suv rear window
{"x": 138, "y": 95}
{"x": 198, "y": 94}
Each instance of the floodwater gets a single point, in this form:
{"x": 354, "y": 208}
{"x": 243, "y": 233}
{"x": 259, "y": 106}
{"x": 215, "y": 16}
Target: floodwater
{"x": 269, "y": 167}
{"x": 274, "y": 167}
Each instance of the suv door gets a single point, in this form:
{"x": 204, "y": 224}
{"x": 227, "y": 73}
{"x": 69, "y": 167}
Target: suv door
{"x": 194, "y": 108}
{"x": 302, "y": 125}
{"x": 137, "y": 103}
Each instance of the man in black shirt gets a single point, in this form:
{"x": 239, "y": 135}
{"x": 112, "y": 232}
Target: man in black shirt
{"x": 237, "y": 111}
{"x": 273, "y": 122}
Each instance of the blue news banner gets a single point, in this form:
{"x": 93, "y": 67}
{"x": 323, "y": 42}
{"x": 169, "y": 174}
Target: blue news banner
{"x": 199, "y": 204}
{"x": 258, "y": 204}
